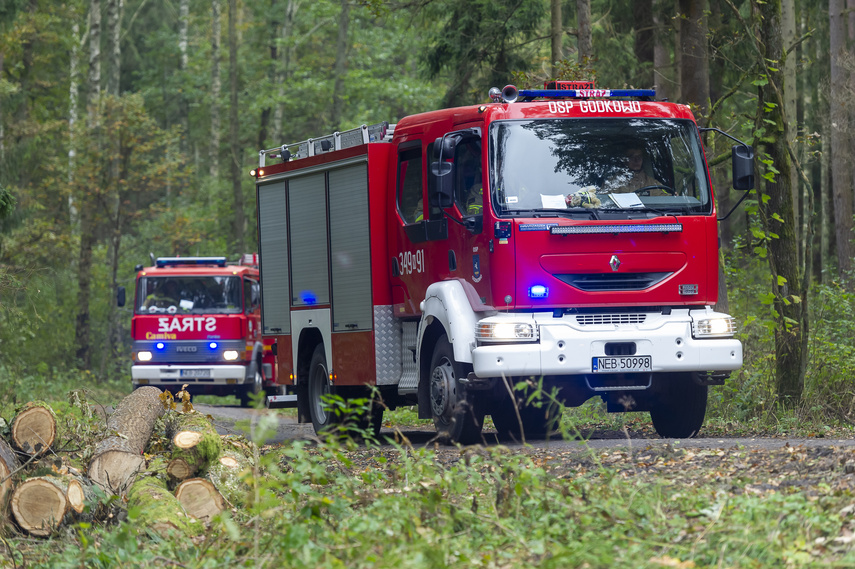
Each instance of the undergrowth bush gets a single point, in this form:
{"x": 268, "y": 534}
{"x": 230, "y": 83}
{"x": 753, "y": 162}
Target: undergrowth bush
{"x": 829, "y": 390}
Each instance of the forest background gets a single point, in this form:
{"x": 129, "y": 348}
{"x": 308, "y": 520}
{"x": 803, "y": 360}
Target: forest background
{"x": 128, "y": 127}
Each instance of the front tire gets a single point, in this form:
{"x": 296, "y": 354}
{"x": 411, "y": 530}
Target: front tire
{"x": 252, "y": 389}
{"x": 455, "y": 417}
{"x": 679, "y": 411}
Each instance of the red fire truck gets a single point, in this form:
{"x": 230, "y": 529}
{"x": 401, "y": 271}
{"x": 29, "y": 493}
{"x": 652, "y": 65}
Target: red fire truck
{"x": 197, "y": 322}
{"x": 566, "y": 236}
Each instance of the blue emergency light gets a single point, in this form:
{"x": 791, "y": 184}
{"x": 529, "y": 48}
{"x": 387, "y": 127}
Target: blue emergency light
{"x": 160, "y": 345}
{"x": 538, "y": 291}
{"x": 213, "y": 345}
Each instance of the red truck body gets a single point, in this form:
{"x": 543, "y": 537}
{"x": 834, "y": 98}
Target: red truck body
{"x": 197, "y": 322}
{"x": 381, "y": 270}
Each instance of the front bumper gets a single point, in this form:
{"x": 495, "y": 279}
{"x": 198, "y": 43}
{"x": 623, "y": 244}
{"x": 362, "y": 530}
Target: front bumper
{"x": 177, "y": 375}
{"x": 567, "y": 347}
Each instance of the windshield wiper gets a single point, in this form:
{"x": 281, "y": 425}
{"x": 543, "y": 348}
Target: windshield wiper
{"x": 553, "y": 212}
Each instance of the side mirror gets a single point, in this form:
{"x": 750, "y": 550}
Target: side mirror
{"x": 742, "y": 163}
{"x": 120, "y": 296}
{"x": 442, "y": 194}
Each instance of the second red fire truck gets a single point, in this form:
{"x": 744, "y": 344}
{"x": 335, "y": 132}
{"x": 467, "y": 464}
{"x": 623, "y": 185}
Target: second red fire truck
{"x": 566, "y": 236}
{"x": 197, "y": 322}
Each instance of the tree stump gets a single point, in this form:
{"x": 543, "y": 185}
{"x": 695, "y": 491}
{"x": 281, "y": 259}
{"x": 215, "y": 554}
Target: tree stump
{"x": 39, "y": 505}
{"x": 34, "y": 428}
{"x": 200, "y": 498}
{"x": 194, "y": 447}
{"x": 118, "y": 458}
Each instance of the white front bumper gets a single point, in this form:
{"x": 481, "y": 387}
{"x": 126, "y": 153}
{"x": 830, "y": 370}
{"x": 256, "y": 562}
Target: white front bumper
{"x": 568, "y": 348}
{"x": 172, "y": 374}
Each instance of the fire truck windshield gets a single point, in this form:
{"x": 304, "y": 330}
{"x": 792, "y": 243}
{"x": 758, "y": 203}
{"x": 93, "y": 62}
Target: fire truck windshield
{"x": 556, "y": 165}
{"x": 189, "y": 295}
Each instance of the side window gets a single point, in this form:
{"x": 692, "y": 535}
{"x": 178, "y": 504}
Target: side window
{"x": 410, "y": 185}
{"x": 434, "y": 212}
{"x": 468, "y": 187}
{"x": 250, "y": 296}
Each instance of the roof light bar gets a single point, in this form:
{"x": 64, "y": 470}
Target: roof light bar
{"x": 529, "y": 94}
{"x": 613, "y": 229}
{"x": 176, "y": 261}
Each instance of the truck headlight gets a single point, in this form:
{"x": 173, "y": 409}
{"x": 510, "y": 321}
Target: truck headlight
{"x": 506, "y": 332}
{"x": 230, "y": 355}
{"x": 144, "y": 356}
{"x": 715, "y": 327}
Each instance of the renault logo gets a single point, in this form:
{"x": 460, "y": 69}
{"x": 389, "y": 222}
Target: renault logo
{"x": 614, "y": 263}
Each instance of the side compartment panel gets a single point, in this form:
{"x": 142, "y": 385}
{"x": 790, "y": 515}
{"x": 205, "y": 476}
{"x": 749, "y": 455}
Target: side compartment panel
{"x": 273, "y": 248}
{"x": 307, "y": 223}
{"x": 352, "y": 358}
{"x": 351, "y": 249}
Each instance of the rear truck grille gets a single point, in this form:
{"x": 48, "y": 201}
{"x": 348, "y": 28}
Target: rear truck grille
{"x": 613, "y": 281}
{"x": 597, "y": 319}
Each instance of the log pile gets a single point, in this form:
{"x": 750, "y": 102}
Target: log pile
{"x": 170, "y": 468}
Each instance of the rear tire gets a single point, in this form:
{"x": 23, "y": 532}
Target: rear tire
{"x": 456, "y": 418}
{"x": 318, "y": 388}
{"x": 679, "y": 411}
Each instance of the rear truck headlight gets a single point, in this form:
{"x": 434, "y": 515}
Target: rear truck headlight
{"x": 715, "y": 327}
{"x": 230, "y": 355}
{"x": 498, "y": 332}
{"x": 144, "y": 356}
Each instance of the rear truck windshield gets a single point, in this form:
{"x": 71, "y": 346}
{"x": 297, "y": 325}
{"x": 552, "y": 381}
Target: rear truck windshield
{"x": 555, "y": 167}
{"x": 189, "y": 295}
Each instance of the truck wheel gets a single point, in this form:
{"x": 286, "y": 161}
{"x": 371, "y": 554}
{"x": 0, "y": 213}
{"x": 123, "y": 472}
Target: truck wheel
{"x": 253, "y": 388}
{"x": 679, "y": 411}
{"x": 455, "y": 417}
{"x": 318, "y": 388}
{"x": 536, "y": 421}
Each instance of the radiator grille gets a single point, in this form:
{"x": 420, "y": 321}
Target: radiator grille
{"x": 625, "y": 318}
{"x": 613, "y": 281}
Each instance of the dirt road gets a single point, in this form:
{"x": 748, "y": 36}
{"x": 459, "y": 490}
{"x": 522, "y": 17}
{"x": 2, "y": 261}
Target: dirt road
{"x": 236, "y": 420}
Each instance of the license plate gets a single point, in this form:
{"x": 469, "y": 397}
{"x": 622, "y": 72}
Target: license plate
{"x": 195, "y": 373}
{"x": 622, "y": 364}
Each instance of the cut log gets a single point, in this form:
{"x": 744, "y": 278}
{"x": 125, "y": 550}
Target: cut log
{"x": 39, "y": 505}
{"x": 8, "y": 464}
{"x": 195, "y": 445}
{"x": 159, "y": 510}
{"x": 34, "y": 428}
{"x": 118, "y": 458}
{"x": 79, "y": 494}
{"x": 200, "y": 498}
{"x": 227, "y": 475}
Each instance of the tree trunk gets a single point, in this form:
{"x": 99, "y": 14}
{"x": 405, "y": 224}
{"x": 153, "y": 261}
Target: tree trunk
{"x": 114, "y": 48}
{"x": 642, "y": 16}
{"x": 790, "y": 301}
{"x": 677, "y": 91}
{"x": 118, "y": 458}
{"x": 87, "y": 218}
{"x": 340, "y": 67}
{"x": 584, "y": 39}
{"x": 34, "y": 429}
{"x": 841, "y": 169}
{"x": 788, "y": 31}
{"x": 195, "y": 446}
{"x": 283, "y": 70}
{"x": 557, "y": 36}
{"x": 73, "y": 98}
{"x": 183, "y": 105}
{"x": 39, "y": 505}
{"x": 214, "y": 149}
{"x": 239, "y": 220}
{"x": 200, "y": 499}
{"x": 661, "y": 55}
{"x": 695, "y": 81}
